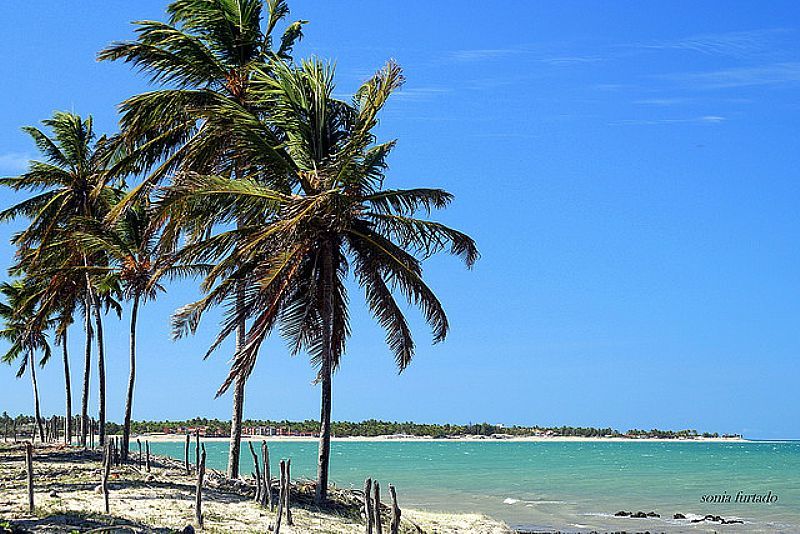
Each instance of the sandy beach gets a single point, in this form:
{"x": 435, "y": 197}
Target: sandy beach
{"x": 160, "y": 437}
{"x": 67, "y": 500}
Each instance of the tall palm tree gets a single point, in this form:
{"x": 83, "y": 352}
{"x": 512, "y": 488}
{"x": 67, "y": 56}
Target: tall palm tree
{"x": 25, "y": 334}
{"x": 296, "y": 248}
{"x": 72, "y": 181}
{"x": 136, "y": 264}
{"x": 206, "y": 54}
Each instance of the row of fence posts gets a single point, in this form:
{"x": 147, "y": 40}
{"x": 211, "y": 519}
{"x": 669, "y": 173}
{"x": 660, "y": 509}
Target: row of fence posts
{"x": 263, "y": 494}
{"x": 263, "y": 484}
{"x": 372, "y": 508}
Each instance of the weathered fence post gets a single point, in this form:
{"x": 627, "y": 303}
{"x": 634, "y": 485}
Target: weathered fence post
{"x": 394, "y": 526}
{"x": 368, "y": 505}
{"x": 106, "y": 472}
{"x": 186, "y": 454}
{"x": 266, "y": 496}
{"x": 198, "y": 502}
{"x": 147, "y": 450}
{"x": 288, "y": 492}
{"x": 256, "y": 473}
{"x": 280, "y": 497}
{"x": 376, "y": 503}
{"x": 197, "y": 447}
{"x": 139, "y": 443}
{"x": 29, "y": 467}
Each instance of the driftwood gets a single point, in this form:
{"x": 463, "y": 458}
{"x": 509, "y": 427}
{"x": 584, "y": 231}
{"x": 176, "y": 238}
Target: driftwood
{"x": 147, "y": 450}
{"x": 106, "y": 472}
{"x": 186, "y": 454}
{"x": 394, "y": 526}
{"x": 256, "y": 473}
{"x": 139, "y": 443}
{"x": 198, "y": 502}
{"x": 266, "y": 482}
{"x": 376, "y": 507}
{"x": 29, "y": 467}
{"x": 368, "y": 505}
{"x": 287, "y": 492}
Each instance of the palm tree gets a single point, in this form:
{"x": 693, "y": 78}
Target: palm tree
{"x": 136, "y": 264}
{"x": 25, "y": 334}
{"x": 296, "y": 248}
{"x": 207, "y": 54}
{"x": 72, "y": 181}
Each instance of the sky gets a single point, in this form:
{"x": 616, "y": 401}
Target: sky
{"x": 629, "y": 172}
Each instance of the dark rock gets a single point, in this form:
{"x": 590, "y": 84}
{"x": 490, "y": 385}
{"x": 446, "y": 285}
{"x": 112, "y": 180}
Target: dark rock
{"x": 188, "y": 529}
{"x": 679, "y": 516}
{"x": 622, "y": 513}
{"x": 653, "y": 514}
{"x": 732, "y": 522}
{"x": 639, "y": 515}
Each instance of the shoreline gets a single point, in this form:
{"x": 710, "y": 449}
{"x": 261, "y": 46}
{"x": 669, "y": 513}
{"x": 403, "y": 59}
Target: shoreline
{"x": 161, "y": 437}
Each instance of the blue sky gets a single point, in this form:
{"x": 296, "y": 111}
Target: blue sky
{"x": 630, "y": 173}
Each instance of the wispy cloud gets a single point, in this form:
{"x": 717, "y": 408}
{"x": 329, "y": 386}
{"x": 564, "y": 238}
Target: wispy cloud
{"x": 737, "y": 44}
{"x": 420, "y": 93}
{"x": 773, "y": 74}
{"x": 704, "y": 119}
{"x": 482, "y": 54}
{"x": 14, "y": 162}
{"x": 570, "y": 60}
{"x": 662, "y": 101}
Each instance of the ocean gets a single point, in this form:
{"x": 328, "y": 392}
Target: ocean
{"x": 571, "y": 486}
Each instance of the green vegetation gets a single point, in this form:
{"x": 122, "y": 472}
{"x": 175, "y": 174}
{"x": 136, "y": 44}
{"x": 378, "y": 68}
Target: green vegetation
{"x": 249, "y": 174}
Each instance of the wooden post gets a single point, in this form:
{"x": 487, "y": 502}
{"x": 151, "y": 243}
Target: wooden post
{"x": 376, "y": 504}
{"x": 368, "y": 505}
{"x": 280, "y": 497}
{"x": 197, "y": 447}
{"x": 147, "y": 450}
{"x": 14, "y": 426}
{"x": 106, "y": 472}
{"x": 256, "y": 473}
{"x": 394, "y": 526}
{"x": 266, "y": 495}
{"x": 29, "y": 467}
{"x": 198, "y": 502}
{"x": 139, "y": 443}
{"x": 288, "y": 492}
{"x": 186, "y": 454}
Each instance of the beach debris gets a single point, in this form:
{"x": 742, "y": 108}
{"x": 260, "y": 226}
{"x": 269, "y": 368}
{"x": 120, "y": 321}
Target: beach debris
{"x": 201, "y": 471}
{"x": 53, "y": 494}
{"x": 281, "y": 498}
{"x": 188, "y": 529}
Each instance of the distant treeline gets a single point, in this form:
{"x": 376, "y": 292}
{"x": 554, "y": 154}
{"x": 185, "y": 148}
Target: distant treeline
{"x": 373, "y": 427}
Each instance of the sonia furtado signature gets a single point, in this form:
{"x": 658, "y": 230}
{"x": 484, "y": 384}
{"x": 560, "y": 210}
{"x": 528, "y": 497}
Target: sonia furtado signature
{"x": 740, "y": 497}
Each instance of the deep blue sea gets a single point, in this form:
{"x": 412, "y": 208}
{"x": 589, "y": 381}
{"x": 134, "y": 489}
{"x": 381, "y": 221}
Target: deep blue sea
{"x": 572, "y": 486}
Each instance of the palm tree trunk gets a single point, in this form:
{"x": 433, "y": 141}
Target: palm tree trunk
{"x": 101, "y": 369}
{"x": 67, "y": 390}
{"x": 321, "y": 493}
{"x": 238, "y": 398}
{"x": 126, "y": 431}
{"x": 87, "y": 371}
{"x": 36, "y": 411}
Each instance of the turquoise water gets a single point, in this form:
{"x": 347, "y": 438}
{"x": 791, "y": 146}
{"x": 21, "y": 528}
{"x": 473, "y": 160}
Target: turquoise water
{"x": 559, "y": 485}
